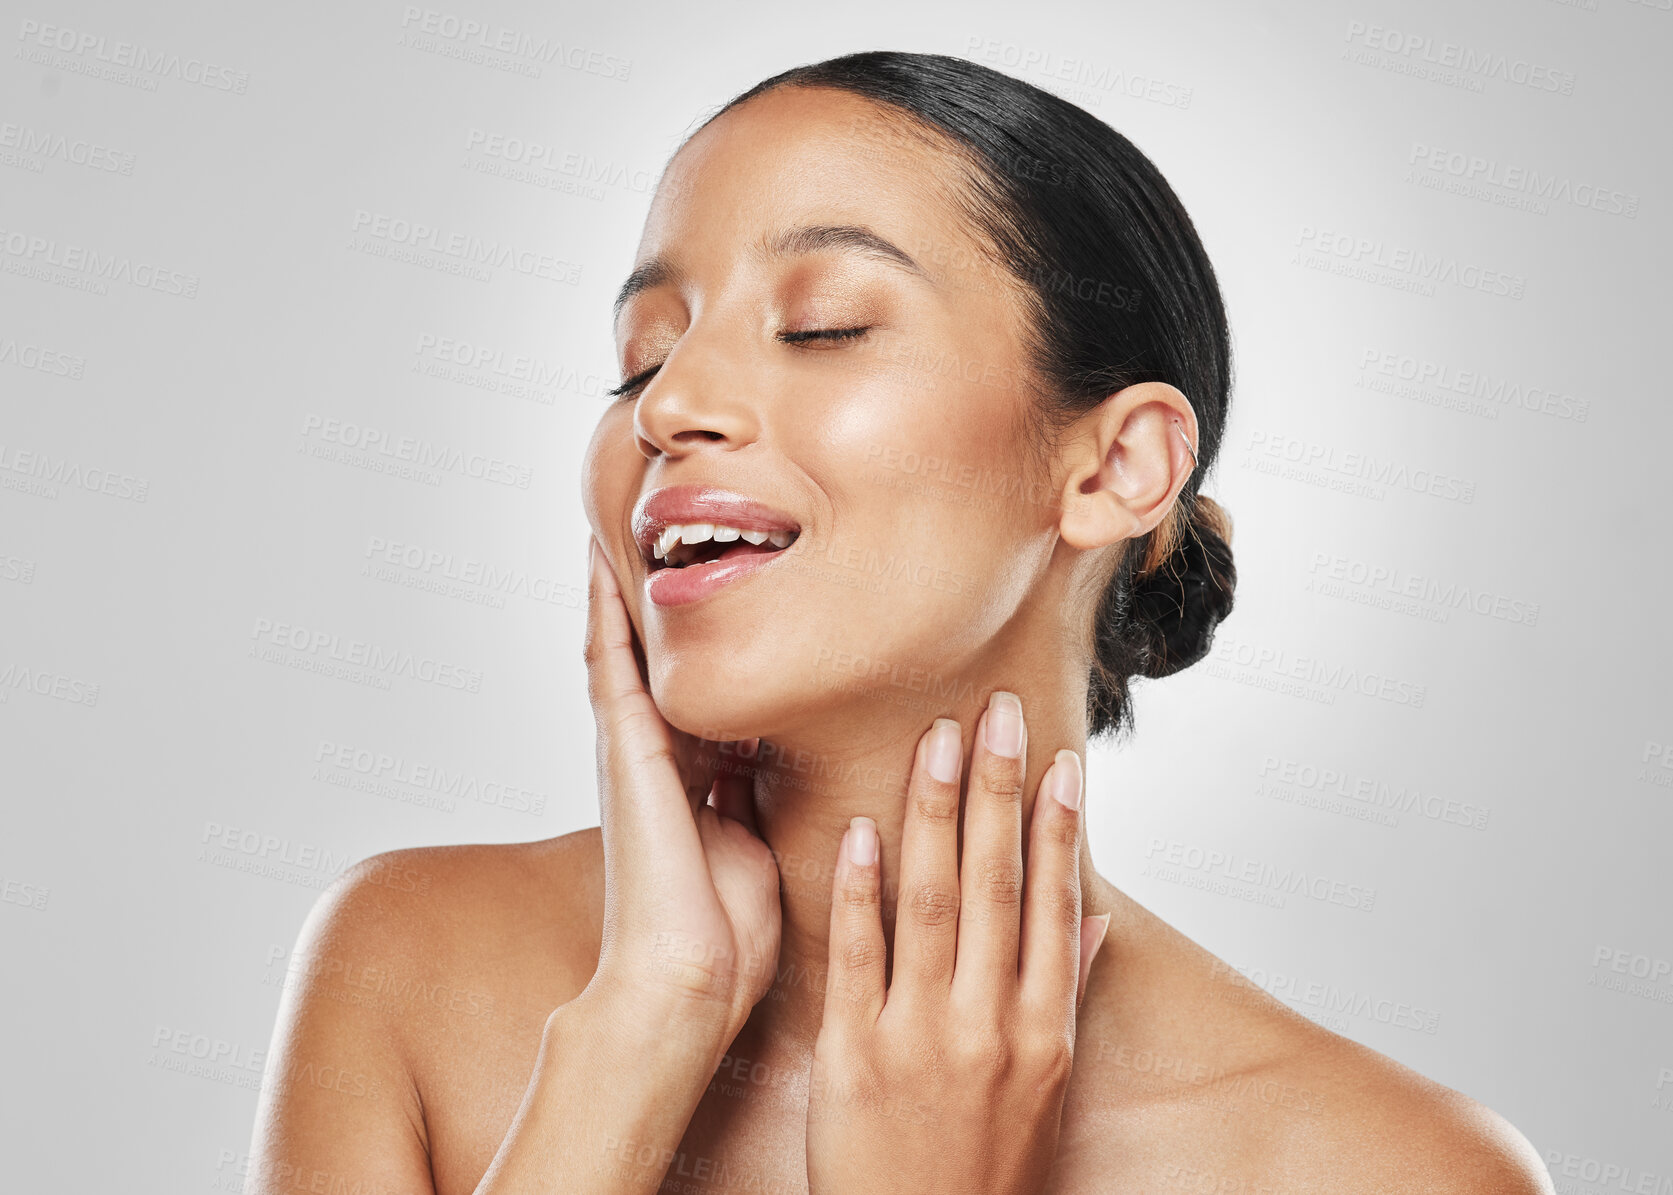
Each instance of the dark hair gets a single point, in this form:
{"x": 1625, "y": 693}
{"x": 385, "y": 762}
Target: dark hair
{"x": 1122, "y": 292}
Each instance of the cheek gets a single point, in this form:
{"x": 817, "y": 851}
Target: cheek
{"x": 930, "y": 507}
{"x": 608, "y": 481}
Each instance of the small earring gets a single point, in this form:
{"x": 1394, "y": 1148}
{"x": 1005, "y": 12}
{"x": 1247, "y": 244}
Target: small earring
{"x": 1194, "y": 461}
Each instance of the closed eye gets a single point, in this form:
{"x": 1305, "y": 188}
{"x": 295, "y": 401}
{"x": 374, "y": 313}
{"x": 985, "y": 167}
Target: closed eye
{"x": 637, "y": 382}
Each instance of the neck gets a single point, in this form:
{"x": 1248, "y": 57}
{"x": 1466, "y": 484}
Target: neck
{"x": 810, "y": 782}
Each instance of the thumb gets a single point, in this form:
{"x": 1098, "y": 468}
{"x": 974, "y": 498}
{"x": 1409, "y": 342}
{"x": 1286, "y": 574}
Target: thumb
{"x": 1092, "y": 931}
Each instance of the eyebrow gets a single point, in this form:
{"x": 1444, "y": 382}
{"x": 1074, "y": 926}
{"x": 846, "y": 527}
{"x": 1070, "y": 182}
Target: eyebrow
{"x": 809, "y": 238}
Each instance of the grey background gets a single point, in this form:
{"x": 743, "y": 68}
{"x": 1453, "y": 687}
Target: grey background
{"x": 1448, "y": 288}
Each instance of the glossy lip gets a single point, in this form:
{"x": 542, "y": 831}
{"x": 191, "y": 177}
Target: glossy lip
{"x": 657, "y": 510}
{"x": 668, "y": 587}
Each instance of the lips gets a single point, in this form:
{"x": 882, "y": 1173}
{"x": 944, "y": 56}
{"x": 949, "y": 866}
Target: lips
{"x": 695, "y": 540}
{"x": 709, "y": 517}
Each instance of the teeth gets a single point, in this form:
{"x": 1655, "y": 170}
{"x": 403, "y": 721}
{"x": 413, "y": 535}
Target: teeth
{"x": 676, "y": 534}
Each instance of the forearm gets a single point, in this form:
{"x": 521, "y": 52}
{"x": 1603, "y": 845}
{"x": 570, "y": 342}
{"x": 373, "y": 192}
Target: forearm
{"x": 613, "y": 1090}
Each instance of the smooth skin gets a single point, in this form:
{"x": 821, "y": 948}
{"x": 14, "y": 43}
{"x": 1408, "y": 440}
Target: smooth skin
{"x": 694, "y": 990}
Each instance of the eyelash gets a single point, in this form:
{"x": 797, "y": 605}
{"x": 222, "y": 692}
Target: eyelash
{"x": 639, "y": 380}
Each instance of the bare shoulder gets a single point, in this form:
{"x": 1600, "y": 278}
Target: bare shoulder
{"x": 1228, "y": 1088}
{"x": 410, "y": 962}
{"x": 1373, "y": 1124}
{"x": 501, "y": 915}
{"x": 1392, "y": 1129}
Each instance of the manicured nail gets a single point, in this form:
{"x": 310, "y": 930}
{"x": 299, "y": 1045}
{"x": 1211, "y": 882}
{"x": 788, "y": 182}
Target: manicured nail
{"x": 862, "y": 842}
{"x": 1066, "y": 779}
{"x": 946, "y": 749}
{"x": 1103, "y": 920}
{"x": 1004, "y": 725}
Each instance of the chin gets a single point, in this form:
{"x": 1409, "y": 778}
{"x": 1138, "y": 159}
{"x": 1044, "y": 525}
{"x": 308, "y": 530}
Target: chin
{"x": 725, "y": 694}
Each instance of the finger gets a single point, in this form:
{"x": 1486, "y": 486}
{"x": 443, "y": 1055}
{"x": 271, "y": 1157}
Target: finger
{"x": 639, "y": 782}
{"x": 700, "y": 762}
{"x": 854, "y": 980}
{"x": 1051, "y": 921}
{"x": 1092, "y": 933}
{"x": 927, "y": 909}
{"x": 734, "y": 786}
{"x": 990, "y": 870}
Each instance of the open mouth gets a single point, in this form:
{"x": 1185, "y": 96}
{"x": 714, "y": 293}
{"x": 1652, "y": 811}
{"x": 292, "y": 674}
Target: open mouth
{"x": 681, "y": 545}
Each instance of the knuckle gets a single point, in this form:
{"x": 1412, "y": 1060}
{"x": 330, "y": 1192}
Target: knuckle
{"x": 985, "y": 1052}
{"x": 932, "y": 905}
{"x": 1002, "y": 779}
{"x": 1000, "y": 880}
{"x": 858, "y": 899}
{"x": 1051, "y": 1057}
{"x": 1062, "y": 900}
{"x": 861, "y": 954}
{"x": 1060, "y": 826}
{"x": 937, "y": 804}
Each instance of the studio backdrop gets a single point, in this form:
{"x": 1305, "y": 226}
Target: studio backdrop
{"x": 304, "y": 328}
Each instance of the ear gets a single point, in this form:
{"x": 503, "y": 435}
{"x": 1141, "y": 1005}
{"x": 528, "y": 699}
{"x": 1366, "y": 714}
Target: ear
{"x": 1126, "y": 462}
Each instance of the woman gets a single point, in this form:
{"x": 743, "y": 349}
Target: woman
{"x": 924, "y": 368}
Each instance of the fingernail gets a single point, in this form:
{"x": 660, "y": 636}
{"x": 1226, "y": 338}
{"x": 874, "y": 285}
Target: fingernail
{"x": 862, "y": 842}
{"x": 1004, "y": 725}
{"x": 1066, "y": 779}
{"x": 946, "y": 748}
{"x": 1103, "y": 920}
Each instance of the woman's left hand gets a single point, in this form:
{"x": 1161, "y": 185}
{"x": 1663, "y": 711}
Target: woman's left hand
{"x": 953, "y": 1078}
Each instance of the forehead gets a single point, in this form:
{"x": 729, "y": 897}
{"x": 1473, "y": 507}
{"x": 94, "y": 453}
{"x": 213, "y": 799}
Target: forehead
{"x": 800, "y": 155}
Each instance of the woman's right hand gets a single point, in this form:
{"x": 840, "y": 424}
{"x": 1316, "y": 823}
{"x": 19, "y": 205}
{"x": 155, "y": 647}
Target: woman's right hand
{"x": 691, "y": 892}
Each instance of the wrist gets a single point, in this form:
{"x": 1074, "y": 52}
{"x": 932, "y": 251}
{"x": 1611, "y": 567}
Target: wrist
{"x": 646, "y": 1021}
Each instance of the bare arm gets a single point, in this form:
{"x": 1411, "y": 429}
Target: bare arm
{"x": 691, "y": 932}
{"x": 618, "y": 1076}
{"x": 612, "y": 1093}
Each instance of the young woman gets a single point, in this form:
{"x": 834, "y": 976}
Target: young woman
{"x": 924, "y": 368}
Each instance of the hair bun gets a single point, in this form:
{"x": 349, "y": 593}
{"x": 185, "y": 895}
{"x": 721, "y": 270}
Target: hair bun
{"x": 1177, "y": 605}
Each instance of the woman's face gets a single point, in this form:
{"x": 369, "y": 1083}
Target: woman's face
{"x": 893, "y": 452}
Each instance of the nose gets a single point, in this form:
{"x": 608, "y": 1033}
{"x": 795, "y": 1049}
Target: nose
{"x": 699, "y": 398}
